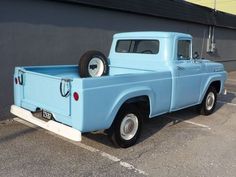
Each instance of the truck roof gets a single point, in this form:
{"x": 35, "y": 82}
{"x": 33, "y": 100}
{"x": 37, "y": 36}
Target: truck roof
{"x": 150, "y": 34}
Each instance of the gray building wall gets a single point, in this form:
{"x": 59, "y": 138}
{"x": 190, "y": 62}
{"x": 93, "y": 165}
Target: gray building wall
{"x": 50, "y": 32}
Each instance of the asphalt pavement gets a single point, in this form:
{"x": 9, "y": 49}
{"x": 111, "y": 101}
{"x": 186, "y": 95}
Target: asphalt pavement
{"x": 179, "y": 144}
{"x": 231, "y": 82}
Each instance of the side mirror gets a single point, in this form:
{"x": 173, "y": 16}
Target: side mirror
{"x": 195, "y": 55}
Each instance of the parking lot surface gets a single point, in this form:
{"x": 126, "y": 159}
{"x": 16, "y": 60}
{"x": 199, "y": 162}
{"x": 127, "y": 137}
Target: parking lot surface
{"x": 182, "y": 143}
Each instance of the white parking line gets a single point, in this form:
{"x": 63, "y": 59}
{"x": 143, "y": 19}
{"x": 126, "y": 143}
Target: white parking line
{"x": 190, "y": 122}
{"x": 89, "y": 148}
{"x": 122, "y": 163}
{"x": 197, "y": 124}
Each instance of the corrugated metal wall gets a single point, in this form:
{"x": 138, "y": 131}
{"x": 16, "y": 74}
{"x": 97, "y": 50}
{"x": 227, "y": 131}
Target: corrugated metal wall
{"x": 47, "y": 32}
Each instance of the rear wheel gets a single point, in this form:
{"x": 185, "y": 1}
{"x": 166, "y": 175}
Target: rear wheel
{"x": 126, "y": 127}
{"x": 209, "y": 102}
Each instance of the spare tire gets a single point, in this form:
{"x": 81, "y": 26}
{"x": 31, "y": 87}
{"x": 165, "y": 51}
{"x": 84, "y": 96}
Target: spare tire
{"x": 93, "y": 64}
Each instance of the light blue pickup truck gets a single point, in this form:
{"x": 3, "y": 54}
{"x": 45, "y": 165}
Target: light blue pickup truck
{"x": 145, "y": 75}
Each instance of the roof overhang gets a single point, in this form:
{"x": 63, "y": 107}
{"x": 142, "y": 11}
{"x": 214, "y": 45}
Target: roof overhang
{"x": 171, "y": 9}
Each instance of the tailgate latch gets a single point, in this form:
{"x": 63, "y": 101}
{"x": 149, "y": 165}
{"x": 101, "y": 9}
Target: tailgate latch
{"x": 65, "y": 87}
{"x": 20, "y": 77}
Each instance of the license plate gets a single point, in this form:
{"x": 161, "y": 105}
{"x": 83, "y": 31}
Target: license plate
{"x": 47, "y": 115}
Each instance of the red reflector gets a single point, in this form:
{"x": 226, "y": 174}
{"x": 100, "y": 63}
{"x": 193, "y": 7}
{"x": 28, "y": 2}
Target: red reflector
{"x": 76, "y": 96}
{"x": 16, "y": 81}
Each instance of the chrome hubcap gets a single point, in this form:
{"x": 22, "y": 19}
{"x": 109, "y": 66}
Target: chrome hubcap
{"x": 129, "y": 126}
{"x": 95, "y": 67}
{"x": 210, "y": 100}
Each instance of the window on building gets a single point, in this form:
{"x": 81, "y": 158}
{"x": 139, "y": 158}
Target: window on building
{"x": 184, "y": 50}
{"x": 138, "y": 46}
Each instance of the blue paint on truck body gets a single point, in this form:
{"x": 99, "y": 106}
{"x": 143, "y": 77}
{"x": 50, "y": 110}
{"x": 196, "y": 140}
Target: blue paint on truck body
{"x": 170, "y": 83}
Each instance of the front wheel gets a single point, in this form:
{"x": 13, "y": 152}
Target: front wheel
{"x": 126, "y": 127}
{"x": 209, "y": 102}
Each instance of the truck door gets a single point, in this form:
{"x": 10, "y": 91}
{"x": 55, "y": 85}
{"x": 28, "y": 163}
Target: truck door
{"x": 187, "y": 76}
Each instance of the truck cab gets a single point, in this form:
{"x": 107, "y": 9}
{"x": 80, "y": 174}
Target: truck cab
{"x": 158, "y": 51}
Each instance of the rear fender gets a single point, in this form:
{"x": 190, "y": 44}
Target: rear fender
{"x": 126, "y": 95}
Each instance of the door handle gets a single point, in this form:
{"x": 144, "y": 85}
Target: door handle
{"x": 180, "y": 68}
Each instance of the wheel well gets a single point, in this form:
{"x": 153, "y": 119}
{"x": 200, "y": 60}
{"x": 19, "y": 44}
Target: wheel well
{"x": 216, "y": 85}
{"x": 142, "y": 103}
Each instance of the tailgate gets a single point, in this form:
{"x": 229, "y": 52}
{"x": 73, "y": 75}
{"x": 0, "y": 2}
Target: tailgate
{"x": 46, "y": 92}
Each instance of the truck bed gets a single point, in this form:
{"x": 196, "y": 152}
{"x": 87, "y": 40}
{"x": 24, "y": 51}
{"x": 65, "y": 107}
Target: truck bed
{"x": 68, "y": 71}
{"x": 99, "y": 98}
{"x": 71, "y": 71}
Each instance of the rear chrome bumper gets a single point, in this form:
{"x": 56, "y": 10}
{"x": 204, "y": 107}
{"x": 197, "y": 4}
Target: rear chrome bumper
{"x": 52, "y": 126}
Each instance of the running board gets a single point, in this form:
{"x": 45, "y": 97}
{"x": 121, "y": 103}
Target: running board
{"x": 52, "y": 126}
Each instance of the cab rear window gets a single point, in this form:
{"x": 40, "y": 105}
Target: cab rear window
{"x": 137, "y": 46}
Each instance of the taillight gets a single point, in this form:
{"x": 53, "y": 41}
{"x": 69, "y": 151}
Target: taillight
{"x": 76, "y": 96}
{"x": 16, "y": 80}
